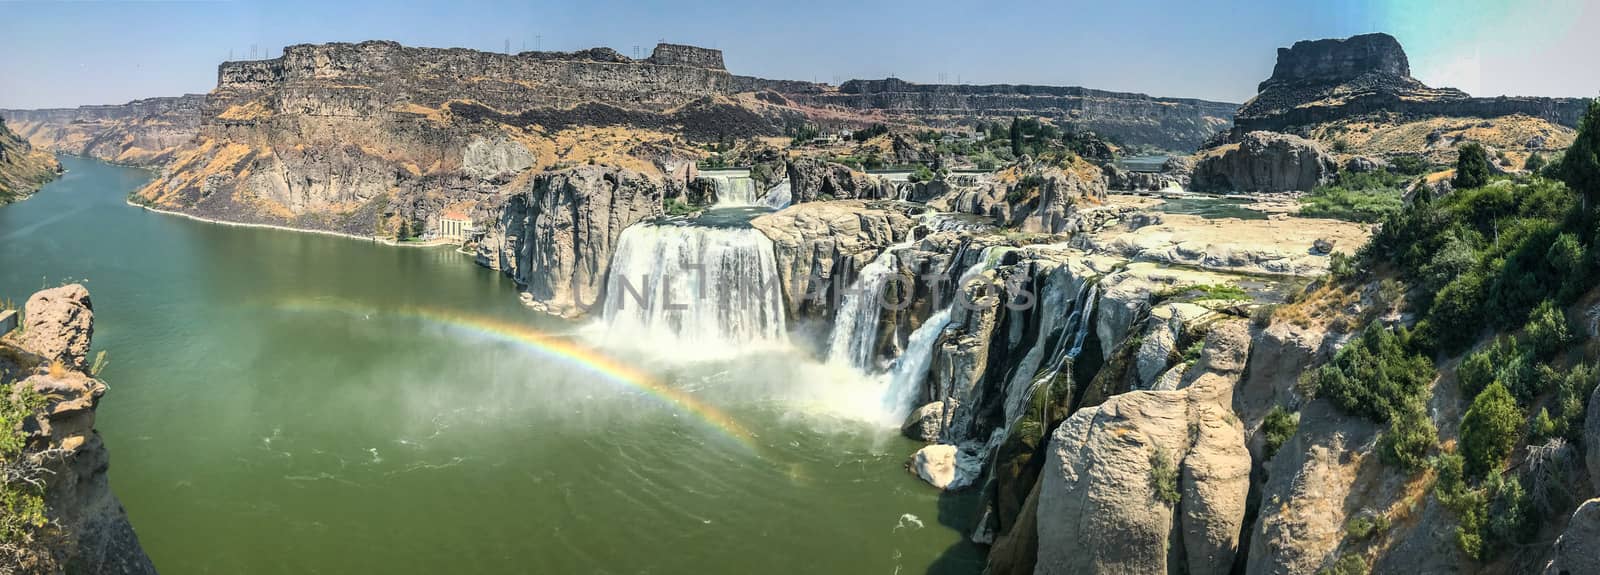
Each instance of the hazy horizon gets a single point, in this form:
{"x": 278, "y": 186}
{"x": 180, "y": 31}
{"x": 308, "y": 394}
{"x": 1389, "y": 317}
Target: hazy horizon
{"x": 1181, "y": 50}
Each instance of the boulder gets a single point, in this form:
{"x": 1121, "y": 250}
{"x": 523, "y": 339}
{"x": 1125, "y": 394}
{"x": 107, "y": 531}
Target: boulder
{"x": 1100, "y": 505}
{"x": 1264, "y": 162}
{"x": 1363, "y": 164}
{"x": 812, "y": 179}
{"x": 945, "y": 466}
{"x": 58, "y": 325}
{"x": 1578, "y": 549}
{"x": 925, "y": 423}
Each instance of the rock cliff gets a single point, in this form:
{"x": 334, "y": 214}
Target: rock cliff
{"x": 49, "y": 357}
{"x": 1328, "y": 81}
{"x": 555, "y": 237}
{"x": 1168, "y": 123}
{"x": 1264, "y": 162}
{"x": 145, "y": 132}
{"x": 22, "y": 167}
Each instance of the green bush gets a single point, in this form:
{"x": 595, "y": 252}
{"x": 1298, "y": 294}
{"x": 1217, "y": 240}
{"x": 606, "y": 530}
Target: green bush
{"x": 1375, "y": 375}
{"x": 1472, "y": 167}
{"x": 22, "y": 512}
{"x": 1346, "y": 565}
{"x": 1489, "y": 430}
{"x": 1534, "y": 164}
{"x": 1365, "y": 526}
{"x": 1277, "y": 428}
{"x": 1410, "y": 436}
{"x": 1580, "y": 165}
{"x": 1164, "y": 477}
{"x": 923, "y": 174}
{"x": 1547, "y": 330}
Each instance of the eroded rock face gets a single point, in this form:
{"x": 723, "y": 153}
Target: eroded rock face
{"x": 822, "y": 241}
{"x": 97, "y": 537}
{"x": 556, "y": 237}
{"x": 58, "y": 325}
{"x": 1578, "y": 549}
{"x": 22, "y": 167}
{"x": 1321, "y": 81}
{"x": 1265, "y": 162}
{"x": 811, "y": 180}
{"x": 1031, "y": 196}
{"x": 1099, "y": 510}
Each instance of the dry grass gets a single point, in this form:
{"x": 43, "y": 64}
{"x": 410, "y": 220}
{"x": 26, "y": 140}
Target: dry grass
{"x": 1438, "y": 138}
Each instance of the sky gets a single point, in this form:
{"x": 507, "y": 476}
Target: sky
{"x": 58, "y": 53}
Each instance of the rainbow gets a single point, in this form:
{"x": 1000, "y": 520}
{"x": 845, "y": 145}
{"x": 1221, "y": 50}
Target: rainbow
{"x": 559, "y": 348}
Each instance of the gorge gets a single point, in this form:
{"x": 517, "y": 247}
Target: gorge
{"x": 578, "y": 312}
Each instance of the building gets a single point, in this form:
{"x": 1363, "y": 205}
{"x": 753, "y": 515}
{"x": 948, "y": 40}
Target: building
{"x": 455, "y": 225}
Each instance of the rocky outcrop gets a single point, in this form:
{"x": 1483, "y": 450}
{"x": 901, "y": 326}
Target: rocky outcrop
{"x": 145, "y": 132}
{"x": 22, "y": 167}
{"x": 556, "y": 237}
{"x": 1032, "y": 196}
{"x": 59, "y": 325}
{"x": 1281, "y": 246}
{"x": 1578, "y": 548}
{"x": 812, "y": 179}
{"x": 95, "y": 536}
{"x": 1151, "y": 482}
{"x": 1264, "y": 162}
{"x": 821, "y": 245}
{"x": 1167, "y": 123}
{"x": 1323, "y": 81}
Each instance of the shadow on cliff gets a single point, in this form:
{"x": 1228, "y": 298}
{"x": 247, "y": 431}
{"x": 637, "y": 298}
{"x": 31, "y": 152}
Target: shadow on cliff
{"x": 958, "y": 511}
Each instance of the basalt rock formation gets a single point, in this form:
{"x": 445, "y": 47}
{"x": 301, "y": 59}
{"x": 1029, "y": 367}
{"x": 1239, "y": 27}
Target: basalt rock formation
{"x": 145, "y": 132}
{"x": 1360, "y": 88}
{"x": 1167, "y": 123}
{"x": 22, "y": 167}
{"x": 48, "y": 357}
{"x": 555, "y": 237}
{"x": 1264, "y": 162}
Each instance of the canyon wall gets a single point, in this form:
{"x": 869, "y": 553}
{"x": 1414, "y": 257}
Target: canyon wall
{"x": 1178, "y": 124}
{"x": 1322, "y": 81}
{"x": 23, "y": 168}
{"x": 142, "y": 132}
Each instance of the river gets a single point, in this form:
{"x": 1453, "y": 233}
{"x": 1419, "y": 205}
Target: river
{"x": 284, "y": 402}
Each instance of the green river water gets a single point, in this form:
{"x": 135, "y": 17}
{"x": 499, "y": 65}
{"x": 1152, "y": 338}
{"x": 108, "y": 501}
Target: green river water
{"x": 277, "y": 406}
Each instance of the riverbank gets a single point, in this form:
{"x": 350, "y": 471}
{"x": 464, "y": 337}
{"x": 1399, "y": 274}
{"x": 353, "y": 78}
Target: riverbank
{"x": 373, "y": 239}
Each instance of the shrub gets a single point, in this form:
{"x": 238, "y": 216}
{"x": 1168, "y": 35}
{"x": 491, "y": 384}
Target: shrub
{"x": 1472, "y": 167}
{"x": 1580, "y": 165}
{"x": 1547, "y": 330}
{"x": 1164, "y": 477}
{"x": 923, "y": 174}
{"x": 1410, "y": 436}
{"x": 1346, "y": 565}
{"x": 1489, "y": 430}
{"x": 1375, "y": 375}
{"x": 1277, "y": 428}
{"x": 1366, "y": 525}
{"x": 22, "y": 512}
{"x": 678, "y": 207}
{"x": 1534, "y": 163}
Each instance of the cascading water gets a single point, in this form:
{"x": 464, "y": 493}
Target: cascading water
{"x": 696, "y": 289}
{"x": 736, "y": 189}
{"x": 855, "y": 326}
{"x": 904, "y": 379}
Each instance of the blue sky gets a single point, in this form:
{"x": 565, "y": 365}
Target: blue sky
{"x": 67, "y": 53}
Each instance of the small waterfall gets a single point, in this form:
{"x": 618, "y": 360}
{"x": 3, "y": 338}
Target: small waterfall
{"x": 855, "y": 325}
{"x": 736, "y": 189}
{"x": 697, "y": 289}
{"x": 905, "y": 379}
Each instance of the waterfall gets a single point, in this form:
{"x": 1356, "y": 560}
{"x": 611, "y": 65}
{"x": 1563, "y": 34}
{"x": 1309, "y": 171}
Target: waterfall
{"x": 905, "y": 379}
{"x": 696, "y": 289}
{"x": 736, "y": 189}
{"x": 855, "y": 325}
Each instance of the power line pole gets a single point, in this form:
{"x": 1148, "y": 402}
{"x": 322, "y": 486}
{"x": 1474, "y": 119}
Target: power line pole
{"x": 538, "y": 42}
